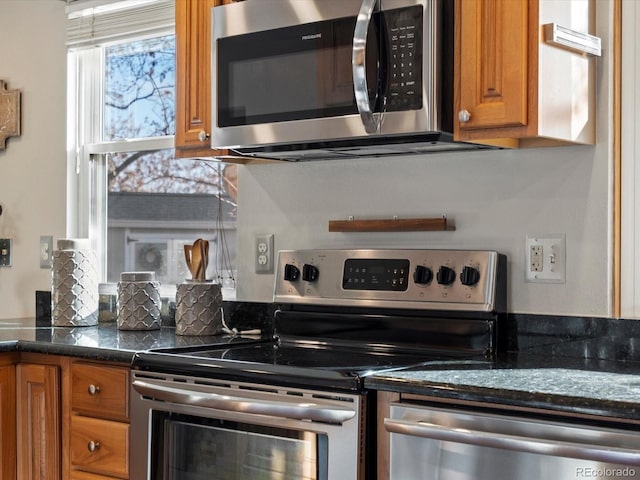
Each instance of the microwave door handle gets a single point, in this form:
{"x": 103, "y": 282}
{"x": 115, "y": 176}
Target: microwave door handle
{"x": 358, "y": 56}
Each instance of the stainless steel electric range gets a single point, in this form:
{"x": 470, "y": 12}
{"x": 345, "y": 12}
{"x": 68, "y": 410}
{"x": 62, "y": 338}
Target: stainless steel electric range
{"x": 294, "y": 406}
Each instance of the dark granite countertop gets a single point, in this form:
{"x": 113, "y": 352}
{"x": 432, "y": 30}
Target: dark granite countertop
{"x": 105, "y": 342}
{"x": 590, "y": 387}
{"x": 592, "y": 371}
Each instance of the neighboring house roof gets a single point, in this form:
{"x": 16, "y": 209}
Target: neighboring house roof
{"x": 169, "y": 207}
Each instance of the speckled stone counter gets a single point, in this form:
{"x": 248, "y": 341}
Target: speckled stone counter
{"x": 578, "y": 386}
{"x": 105, "y": 342}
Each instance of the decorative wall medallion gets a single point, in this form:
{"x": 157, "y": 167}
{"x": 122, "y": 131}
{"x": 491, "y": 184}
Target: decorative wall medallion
{"x": 9, "y": 114}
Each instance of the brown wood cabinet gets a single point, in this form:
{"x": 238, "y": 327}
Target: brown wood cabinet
{"x": 7, "y": 417}
{"x": 100, "y": 391}
{"x": 63, "y": 418}
{"x": 78, "y": 475}
{"x": 193, "y": 82}
{"x": 39, "y": 422}
{"x": 513, "y": 89}
{"x": 99, "y": 446}
{"x": 99, "y": 422}
{"x": 193, "y": 76}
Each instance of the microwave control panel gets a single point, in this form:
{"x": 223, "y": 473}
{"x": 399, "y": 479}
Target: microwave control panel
{"x": 404, "y": 41}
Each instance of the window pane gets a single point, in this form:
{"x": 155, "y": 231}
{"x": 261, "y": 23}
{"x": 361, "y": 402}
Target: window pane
{"x": 157, "y": 204}
{"x": 139, "y": 89}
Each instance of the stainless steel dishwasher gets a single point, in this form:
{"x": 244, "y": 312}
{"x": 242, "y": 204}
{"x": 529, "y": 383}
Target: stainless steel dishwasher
{"x": 449, "y": 444}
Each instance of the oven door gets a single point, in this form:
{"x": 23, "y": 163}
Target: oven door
{"x": 187, "y": 428}
{"x": 320, "y": 70}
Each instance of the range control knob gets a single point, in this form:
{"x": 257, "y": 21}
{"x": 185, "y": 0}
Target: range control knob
{"x": 469, "y": 276}
{"x": 422, "y": 275}
{"x": 310, "y": 272}
{"x": 445, "y": 275}
{"x": 291, "y": 272}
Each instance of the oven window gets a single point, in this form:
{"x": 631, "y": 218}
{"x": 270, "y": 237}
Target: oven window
{"x": 195, "y": 448}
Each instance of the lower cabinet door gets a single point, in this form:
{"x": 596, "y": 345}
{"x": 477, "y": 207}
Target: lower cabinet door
{"x": 8, "y": 421}
{"x": 38, "y": 414}
{"x": 99, "y": 446}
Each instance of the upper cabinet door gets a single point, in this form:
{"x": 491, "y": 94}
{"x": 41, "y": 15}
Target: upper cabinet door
{"x": 511, "y": 87}
{"x": 194, "y": 83}
{"x": 493, "y": 66}
{"x": 492, "y": 59}
{"x": 193, "y": 76}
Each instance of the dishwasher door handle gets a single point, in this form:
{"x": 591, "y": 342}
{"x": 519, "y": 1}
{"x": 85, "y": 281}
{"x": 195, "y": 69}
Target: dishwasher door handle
{"x": 540, "y": 446}
{"x": 300, "y": 409}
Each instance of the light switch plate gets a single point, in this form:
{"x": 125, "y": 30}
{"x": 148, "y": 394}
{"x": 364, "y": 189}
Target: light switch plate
{"x": 6, "y": 252}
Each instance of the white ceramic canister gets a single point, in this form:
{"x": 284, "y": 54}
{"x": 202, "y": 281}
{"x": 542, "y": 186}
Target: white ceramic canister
{"x": 139, "y": 302}
{"x": 74, "y": 284}
{"x": 198, "y": 308}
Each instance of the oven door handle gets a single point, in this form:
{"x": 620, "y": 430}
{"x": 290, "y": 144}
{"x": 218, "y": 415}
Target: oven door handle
{"x": 540, "y": 446}
{"x": 358, "y": 57}
{"x": 300, "y": 409}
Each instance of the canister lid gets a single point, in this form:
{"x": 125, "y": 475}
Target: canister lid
{"x": 74, "y": 244}
{"x": 138, "y": 277}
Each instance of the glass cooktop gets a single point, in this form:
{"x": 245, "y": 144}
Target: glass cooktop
{"x": 291, "y": 363}
{"x": 325, "y": 357}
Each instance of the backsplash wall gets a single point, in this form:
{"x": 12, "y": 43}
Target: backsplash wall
{"x": 494, "y": 198}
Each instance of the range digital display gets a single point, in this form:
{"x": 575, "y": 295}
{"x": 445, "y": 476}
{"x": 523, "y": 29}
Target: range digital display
{"x": 375, "y": 274}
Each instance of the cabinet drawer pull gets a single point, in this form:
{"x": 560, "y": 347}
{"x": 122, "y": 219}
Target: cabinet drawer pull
{"x": 93, "y": 446}
{"x": 93, "y": 389}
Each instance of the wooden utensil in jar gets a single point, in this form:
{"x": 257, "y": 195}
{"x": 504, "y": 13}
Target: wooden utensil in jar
{"x": 197, "y": 258}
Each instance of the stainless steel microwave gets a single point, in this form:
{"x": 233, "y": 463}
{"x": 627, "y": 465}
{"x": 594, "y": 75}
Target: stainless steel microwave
{"x": 316, "y": 79}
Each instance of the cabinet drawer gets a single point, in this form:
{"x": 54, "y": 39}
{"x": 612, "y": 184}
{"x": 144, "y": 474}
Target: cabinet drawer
{"x": 109, "y": 452}
{"x": 78, "y": 475}
{"x": 100, "y": 391}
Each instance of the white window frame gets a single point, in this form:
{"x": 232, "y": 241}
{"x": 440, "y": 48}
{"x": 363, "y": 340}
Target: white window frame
{"x": 90, "y": 26}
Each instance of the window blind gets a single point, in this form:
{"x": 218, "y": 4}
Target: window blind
{"x": 110, "y": 21}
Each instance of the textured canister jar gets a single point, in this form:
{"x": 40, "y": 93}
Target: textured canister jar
{"x": 198, "y": 308}
{"x": 74, "y": 284}
{"x": 138, "y": 301}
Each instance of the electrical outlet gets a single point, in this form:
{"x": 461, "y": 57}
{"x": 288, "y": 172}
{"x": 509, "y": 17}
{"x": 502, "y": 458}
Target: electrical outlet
{"x": 46, "y": 251}
{"x": 545, "y": 258}
{"x": 264, "y": 253}
{"x": 6, "y": 251}
{"x": 535, "y": 261}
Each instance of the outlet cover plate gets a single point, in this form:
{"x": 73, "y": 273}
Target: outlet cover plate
{"x": 545, "y": 258}
{"x": 264, "y": 253}
{"x": 46, "y": 251}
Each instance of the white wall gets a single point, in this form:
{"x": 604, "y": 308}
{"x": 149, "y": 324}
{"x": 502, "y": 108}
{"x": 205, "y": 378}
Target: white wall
{"x": 33, "y": 167}
{"x": 630, "y": 301}
{"x": 495, "y": 199}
